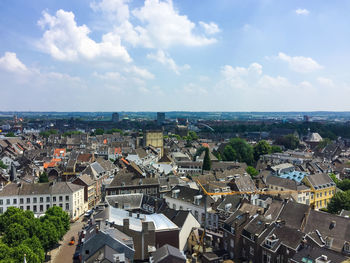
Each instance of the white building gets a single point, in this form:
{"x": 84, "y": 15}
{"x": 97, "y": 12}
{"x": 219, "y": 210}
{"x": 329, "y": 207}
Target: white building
{"x": 186, "y": 198}
{"x": 40, "y": 197}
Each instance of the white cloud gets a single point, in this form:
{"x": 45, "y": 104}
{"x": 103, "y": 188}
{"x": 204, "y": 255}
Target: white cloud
{"x": 303, "y": 12}
{"x": 166, "y": 60}
{"x": 325, "y": 82}
{"x": 210, "y": 28}
{"x": 192, "y": 88}
{"x": 115, "y": 10}
{"x": 300, "y": 64}
{"x": 65, "y": 40}
{"x": 139, "y": 72}
{"x": 306, "y": 85}
{"x": 10, "y": 62}
{"x": 161, "y": 26}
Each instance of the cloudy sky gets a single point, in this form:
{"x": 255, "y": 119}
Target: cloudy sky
{"x": 162, "y": 55}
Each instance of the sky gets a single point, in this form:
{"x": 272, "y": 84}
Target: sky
{"x": 163, "y": 55}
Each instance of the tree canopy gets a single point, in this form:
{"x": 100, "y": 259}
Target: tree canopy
{"x": 2, "y": 165}
{"x": 239, "y": 150}
{"x": 341, "y": 200}
{"x": 22, "y": 233}
{"x": 261, "y": 148}
{"x": 43, "y": 178}
{"x": 289, "y": 141}
{"x": 252, "y": 171}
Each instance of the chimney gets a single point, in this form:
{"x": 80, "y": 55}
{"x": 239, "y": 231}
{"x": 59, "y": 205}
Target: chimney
{"x": 126, "y": 224}
{"x": 145, "y": 226}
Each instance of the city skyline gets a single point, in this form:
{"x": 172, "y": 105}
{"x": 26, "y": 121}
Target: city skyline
{"x": 120, "y": 55}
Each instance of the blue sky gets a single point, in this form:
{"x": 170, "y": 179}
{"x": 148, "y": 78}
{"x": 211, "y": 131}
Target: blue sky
{"x": 201, "y": 55}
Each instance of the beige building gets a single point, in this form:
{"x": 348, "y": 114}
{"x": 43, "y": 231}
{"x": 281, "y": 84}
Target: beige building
{"x": 155, "y": 139}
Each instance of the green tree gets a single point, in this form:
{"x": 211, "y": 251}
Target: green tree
{"x": 289, "y": 141}
{"x": 35, "y": 245}
{"x": 2, "y": 165}
{"x": 344, "y": 184}
{"x": 276, "y": 149}
{"x": 239, "y": 150}
{"x": 341, "y": 200}
{"x": 43, "y": 178}
{"x": 252, "y": 171}
{"x": 59, "y": 213}
{"x": 334, "y": 178}
{"x": 5, "y": 253}
{"x": 261, "y": 148}
{"x": 193, "y": 136}
{"x": 206, "y": 161}
{"x": 10, "y": 134}
{"x": 99, "y": 131}
{"x": 15, "y": 234}
{"x": 48, "y": 235}
{"x": 19, "y": 251}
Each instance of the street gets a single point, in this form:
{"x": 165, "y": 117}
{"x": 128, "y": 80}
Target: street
{"x": 64, "y": 253}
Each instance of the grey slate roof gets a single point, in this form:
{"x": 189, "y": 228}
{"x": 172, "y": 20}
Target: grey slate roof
{"x": 313, "y": 252}
{"x": 167, "y": 251}
{"x": 320, "y": 180}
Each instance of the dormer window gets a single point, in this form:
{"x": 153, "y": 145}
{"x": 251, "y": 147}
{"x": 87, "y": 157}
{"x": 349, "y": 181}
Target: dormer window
{"x": 197, "y": 199}
{"x": 271, "y": 241}
{"x": 175, "y": 193}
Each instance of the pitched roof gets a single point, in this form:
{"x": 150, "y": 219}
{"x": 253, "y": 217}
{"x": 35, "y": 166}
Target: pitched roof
{"x": 320, "y": 180}
{"x": 167, "y": 251}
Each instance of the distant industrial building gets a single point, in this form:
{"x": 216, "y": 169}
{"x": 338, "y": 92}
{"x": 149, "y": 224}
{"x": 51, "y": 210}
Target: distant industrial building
{"x": 115, "y": 117}
{"x": 160, "y": 118}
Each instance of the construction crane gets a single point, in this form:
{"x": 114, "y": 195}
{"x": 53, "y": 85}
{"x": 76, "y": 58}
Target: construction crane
{"x": 206, "y": 193}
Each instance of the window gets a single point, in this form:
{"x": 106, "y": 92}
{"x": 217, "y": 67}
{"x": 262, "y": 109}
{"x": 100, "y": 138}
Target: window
{"x": 268, "y": 258}
{"x": 34, "y": 200}
{"x": 28, "y": 207}
{"x": 8, "y": 201}
{"x": 47, "y": 207}
{"x": 67, "y": 206}
{"x": 61, "y": 198}
{"x": 317, "y": 195}
{"x": 54, "y": 198}
{"x": 15, "y": 201}
{"x": 325, "y": 193}
{"x": 1, "y": 210}
{"x": 41, "y": 199}
{"x": 41, "y": 208}
{"x": 1, "y": 202}
{"x": 28, "y": 200}
{"x": 21, "y": 201}
{"x": 34, "y": 208}
{"x": 21, "y": 207}
{"x": 347, "y": 247}
{"x": 48, "y": 199}
{"x": 67, "y": 198}
{"x": 320, "y": 194}
{"x": 61, "y": 205}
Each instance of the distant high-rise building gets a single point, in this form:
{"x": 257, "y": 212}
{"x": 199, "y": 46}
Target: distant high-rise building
{"x": 115, "y": 117}
{"x": 160, "y": 118}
